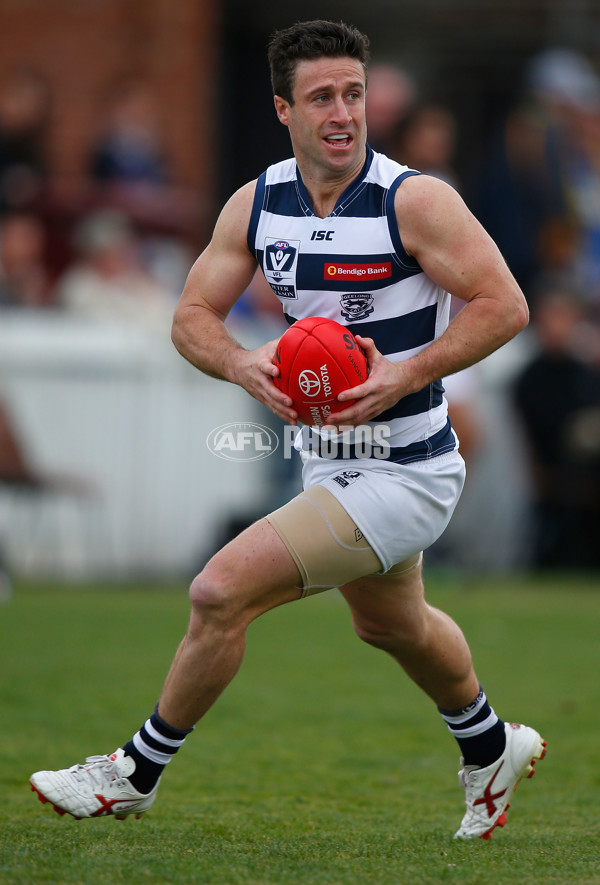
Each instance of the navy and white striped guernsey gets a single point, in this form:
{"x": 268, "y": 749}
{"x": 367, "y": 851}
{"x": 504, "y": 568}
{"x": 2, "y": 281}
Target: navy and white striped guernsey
{"x": 352, "y": 267}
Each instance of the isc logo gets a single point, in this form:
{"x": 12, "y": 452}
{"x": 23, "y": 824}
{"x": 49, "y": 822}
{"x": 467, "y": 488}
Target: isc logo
{"x": 243, "y": 441}
{"x": 322, "y": 235}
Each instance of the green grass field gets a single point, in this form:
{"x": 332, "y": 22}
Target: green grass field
{"x": 320, "y": 764}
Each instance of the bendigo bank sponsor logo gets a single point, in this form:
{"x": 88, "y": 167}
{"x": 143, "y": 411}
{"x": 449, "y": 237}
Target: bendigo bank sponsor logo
{"x": 359, "y": 272}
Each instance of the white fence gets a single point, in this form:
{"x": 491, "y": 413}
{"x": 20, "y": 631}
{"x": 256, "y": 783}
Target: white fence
{"x": 123, "y": 411}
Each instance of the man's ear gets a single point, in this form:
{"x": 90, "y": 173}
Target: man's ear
{"x": 282, "y": 108}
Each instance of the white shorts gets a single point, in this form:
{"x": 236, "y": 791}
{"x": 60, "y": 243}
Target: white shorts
{"x": 401, "y": 509}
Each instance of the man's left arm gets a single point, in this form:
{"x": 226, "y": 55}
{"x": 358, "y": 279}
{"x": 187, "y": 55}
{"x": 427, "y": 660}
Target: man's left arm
{"x": 455, "y": 251}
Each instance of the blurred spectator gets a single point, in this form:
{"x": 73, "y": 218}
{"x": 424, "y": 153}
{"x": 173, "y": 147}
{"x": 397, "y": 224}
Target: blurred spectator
{"x": 539, "y": 193}
{"x": 455, "y": 549}
{"x": 520, "y": 198}
{"x": 563, "y": 79}
{"x": 557, "y": 398}
{"x": 24, "y": 113}
{"x": 24, "y": 280}
{"x": 129, "y": 170}
{"x": 14, "y": 466}
{"x": 462, "y": 391}
{"x": 567, "y": 89}
{"x": 391, "y": 95}
{"x": 426, "y": 140}
{"x": 108, "y": 282}
{"x": 128, "y": 150}
{"x": 20, "y": 476}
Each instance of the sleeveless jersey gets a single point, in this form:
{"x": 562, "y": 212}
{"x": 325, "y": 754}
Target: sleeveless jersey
{"x": 352, "y": 267}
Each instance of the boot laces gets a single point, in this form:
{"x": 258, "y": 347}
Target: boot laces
{"x": 98, "y": 769}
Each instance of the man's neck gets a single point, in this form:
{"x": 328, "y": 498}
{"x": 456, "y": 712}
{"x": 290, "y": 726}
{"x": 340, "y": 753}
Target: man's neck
{"x": 324, "y": 192}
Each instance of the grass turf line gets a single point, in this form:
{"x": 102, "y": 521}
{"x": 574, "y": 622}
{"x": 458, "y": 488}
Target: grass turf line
{"x": 321, "y": 763}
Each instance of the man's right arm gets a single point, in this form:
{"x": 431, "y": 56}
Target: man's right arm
{"x": 216, "y": 281}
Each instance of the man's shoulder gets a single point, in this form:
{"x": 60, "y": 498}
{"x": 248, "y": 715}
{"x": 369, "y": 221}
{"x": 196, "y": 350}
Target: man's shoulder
{"x": 284, "y": 170}
{"x": 235, "y": 215}
{"x": 422, "y": 193}
{"x": 385, "y": 170}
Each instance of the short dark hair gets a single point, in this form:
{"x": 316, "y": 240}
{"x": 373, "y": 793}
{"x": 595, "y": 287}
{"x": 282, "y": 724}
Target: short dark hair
{"x": 311, "y": 40}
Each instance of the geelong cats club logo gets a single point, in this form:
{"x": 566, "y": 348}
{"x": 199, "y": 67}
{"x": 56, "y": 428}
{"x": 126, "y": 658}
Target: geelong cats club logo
{"x": 356, "y": 307}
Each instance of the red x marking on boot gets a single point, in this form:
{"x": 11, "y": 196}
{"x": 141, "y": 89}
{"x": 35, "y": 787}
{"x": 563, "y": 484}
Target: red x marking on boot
{"x": 106, "y": 805}
{"x": 489, "y": 797}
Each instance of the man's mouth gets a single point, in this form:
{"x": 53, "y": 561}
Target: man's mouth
{"x": 341, "y": 139}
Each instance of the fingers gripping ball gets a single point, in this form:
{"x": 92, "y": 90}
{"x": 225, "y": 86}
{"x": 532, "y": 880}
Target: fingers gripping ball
{"x": 318, "y": 359}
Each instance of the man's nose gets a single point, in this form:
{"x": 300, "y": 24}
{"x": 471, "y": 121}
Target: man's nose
{"x": 340, "y": 111}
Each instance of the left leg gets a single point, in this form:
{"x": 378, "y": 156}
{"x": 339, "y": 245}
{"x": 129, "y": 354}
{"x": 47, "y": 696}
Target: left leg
{"x": 390, "y": 613}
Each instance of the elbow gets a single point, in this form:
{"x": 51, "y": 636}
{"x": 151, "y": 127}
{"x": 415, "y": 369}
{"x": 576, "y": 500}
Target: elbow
{"x": 521, "y": 316}
{"x": 512, "y": 320}
{"x": 516, "y": 314}
{"x": 177, "y": 330}
{"x": 175, "y": 334}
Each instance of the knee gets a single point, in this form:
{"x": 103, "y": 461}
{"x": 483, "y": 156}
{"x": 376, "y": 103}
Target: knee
{"x": 392, "y": 636}
{"x": 211, "y": 598}
{"x": 377, "y": 635}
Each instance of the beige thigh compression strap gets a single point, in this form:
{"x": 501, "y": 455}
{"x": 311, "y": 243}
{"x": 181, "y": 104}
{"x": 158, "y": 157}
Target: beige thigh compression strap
{"x": 325, "y": 543}
{"x": 400, "y": 568}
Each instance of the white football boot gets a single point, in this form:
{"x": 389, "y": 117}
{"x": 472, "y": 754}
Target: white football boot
{"x": 97, "y": 788}
{"x": 489, "y": 789}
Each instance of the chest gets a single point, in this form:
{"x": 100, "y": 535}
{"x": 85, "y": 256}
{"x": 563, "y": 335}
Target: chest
{"x": 309, "y": 254}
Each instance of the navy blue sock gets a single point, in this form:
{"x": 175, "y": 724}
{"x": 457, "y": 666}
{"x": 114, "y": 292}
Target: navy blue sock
{"x": 479, "y": 732}
{"x": 153, "y": 747}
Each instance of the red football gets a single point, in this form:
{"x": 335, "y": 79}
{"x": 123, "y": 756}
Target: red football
{"x": 317, "y": 359}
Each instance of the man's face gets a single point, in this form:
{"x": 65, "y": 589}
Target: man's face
{"x": 327, "y": 120}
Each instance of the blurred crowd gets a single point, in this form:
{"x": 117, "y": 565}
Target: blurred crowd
{"x": 118, "y": 247}
{"x": 536, "y": 189}
{"x": 113, "y": 244}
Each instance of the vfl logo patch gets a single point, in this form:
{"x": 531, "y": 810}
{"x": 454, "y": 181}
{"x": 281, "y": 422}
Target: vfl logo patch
{"x": 357, "y": 272}
{"x": 280, "y": 255}
{"x": 356, "y": 307}
{"x": 346, "y": 478}
{"x": 280, "y": 263}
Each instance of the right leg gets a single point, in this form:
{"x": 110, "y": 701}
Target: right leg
{"x": 251, "y": 575}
